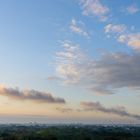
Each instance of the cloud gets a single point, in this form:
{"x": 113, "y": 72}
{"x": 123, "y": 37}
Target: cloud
{"x": 112, "y": 72}
{"x": 95, "y": 8}
{"x": 68, "y": 53}
{"x": 32, "y": 95}
{"x": 105, "y": 75}
{"x": 64, "y": 110}
{"x": 96, "y": 106}
{"x": 132, "y": 9}
{"x": 132, "y": 40}
{"x": 123, "y": 35}
{"x": 78, "y": 29}
{"x": 66, "y": 61}
{"x": 114, "y": 28}
{"x": 51, "y": 78}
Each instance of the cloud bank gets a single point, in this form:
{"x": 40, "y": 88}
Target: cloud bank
{"x": 32, "y": 95}
{"x": 96, "y": 106}
{"x": 104, "y": 75}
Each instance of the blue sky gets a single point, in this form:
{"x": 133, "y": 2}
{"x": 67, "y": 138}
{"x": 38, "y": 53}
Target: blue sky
{"x": 83, "y": 53}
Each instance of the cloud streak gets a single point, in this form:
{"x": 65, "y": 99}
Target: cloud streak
{"x": 32, "y": 95}
{"x": 132, "y": 9}
{"x": 96, "y": 106}
{"x": 65, "y": 110}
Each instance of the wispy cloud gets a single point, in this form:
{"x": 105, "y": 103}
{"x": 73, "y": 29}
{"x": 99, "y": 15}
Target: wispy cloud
{"x": 51, "y": 78}
{"x": 95, "y": 8}
{"x": 96, "y": 106}
{"x": 32, "y": 95}
{"x": 115, "y": 28}
{"x": 78, "y": 29}
{"x": 66, "y": 61}
{"x": 86, "y": 106}
{"x": 64, "y": 110}
{"x": 132, "y": 9}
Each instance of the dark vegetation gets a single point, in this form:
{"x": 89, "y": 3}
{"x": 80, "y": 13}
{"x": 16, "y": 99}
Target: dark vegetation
{"x": 68, "y": 132}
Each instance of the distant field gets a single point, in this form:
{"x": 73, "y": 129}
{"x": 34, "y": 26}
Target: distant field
{"x": 68, "y": 132}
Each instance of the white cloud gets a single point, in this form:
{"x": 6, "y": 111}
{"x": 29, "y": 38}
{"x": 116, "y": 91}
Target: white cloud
{"x": 67, "y": 60}
{"x": 114, "y": 28}
{"x": 78, "y": 29}
{"x": 69, "y": 52}
{"x": 123, "y": 35}
{"x": 95, "y": 8}
{"x": 132, "y": 9}
{"x": 132, "y": 40}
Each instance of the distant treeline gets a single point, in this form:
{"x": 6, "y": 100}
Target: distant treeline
{"x": 69, "y": 132}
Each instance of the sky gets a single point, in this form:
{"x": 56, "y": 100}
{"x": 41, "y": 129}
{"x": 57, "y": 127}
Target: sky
{"x": 74, "y": 61}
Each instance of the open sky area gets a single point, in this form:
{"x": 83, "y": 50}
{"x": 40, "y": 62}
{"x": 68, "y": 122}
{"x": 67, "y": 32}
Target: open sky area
{"x": 64, "y": 61}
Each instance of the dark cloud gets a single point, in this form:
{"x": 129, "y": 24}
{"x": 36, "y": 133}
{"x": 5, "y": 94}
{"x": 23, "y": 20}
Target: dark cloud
{"x": 115, "y": 71}
{"x": 33, "y": 95}
{"x": 96, "y": 106}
